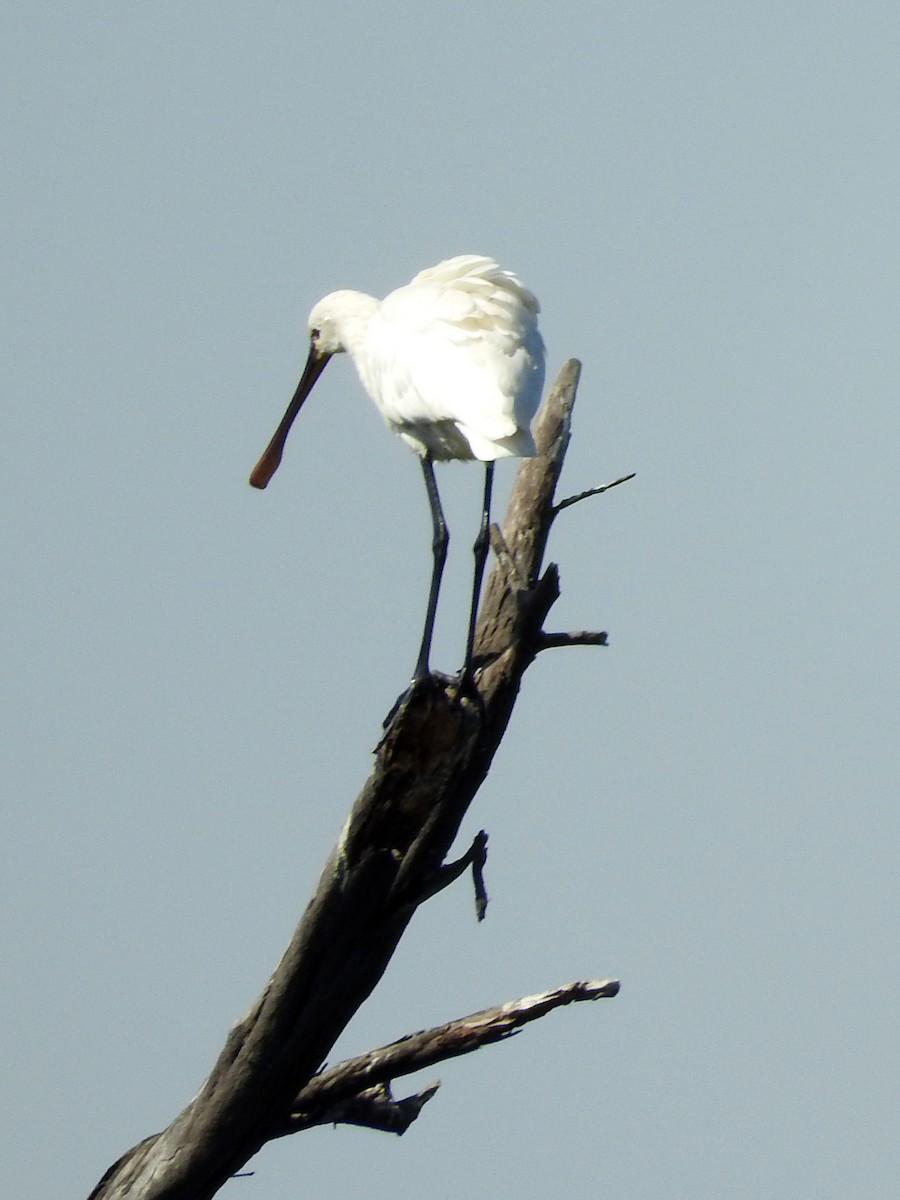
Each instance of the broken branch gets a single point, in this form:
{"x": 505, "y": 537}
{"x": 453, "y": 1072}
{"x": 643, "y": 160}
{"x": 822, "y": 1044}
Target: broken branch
{"x": 418, "y": 1051}
{"x": 597, "y": 491}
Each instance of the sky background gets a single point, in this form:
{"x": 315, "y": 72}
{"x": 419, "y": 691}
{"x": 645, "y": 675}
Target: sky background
{"x": 704, "y": 197}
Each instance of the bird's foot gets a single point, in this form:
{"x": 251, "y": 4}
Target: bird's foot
{"x": 418, "y": 686}
{"x": 467, "y": 687}
{"x": 403, "y": 700}
{"x": 423, "y": 690}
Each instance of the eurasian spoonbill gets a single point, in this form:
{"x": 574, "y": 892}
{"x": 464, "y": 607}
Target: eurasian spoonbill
{"x": 455, "y": 365}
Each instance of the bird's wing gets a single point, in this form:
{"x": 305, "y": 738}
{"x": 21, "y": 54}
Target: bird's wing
{"x": 472, "y": 294}
{"x": 473, "y": 271}
{"x": 465, "y": 346}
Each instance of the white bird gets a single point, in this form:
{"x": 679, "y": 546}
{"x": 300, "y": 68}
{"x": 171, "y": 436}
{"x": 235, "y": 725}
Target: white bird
{"x": 455, "y": 364}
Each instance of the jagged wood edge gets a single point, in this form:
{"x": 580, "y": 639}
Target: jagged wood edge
{"x": 435, "y": 754}
{"x": 323, "y": 1099}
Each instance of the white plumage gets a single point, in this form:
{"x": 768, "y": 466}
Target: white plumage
{"x": 454, "y": 363}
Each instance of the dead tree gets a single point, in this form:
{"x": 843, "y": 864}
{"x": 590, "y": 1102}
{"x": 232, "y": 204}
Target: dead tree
{"x": 391, "y": 857}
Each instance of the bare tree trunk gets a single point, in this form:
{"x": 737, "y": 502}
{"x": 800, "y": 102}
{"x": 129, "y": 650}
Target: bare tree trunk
{"x": 435, "y": 753}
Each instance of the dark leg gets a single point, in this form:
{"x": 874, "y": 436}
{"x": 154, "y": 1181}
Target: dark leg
{"x": 439, "y": 550}
{"x": 480, "y": 549}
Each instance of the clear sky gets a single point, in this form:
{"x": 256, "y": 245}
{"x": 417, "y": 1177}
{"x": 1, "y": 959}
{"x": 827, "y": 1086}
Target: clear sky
{"x": 704, "y": 196}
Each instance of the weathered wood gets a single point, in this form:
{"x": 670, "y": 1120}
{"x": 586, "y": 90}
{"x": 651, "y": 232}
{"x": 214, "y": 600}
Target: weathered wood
{"x": 322, "y": 1100}
{"x": 434, "y": 755}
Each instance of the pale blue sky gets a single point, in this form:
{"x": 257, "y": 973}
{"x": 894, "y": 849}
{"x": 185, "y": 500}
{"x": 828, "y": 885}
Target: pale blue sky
{"x": 705, "y": 199}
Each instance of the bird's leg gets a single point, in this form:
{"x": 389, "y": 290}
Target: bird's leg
{"x": 439, "y": 542}
{"x": 480, "y": 550}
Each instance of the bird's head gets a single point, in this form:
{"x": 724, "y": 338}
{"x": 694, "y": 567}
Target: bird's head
{"x": 338, "y": 321}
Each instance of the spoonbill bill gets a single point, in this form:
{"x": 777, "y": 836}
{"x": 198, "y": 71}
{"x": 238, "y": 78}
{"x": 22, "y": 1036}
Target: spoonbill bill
{"x": 455, "y": 365}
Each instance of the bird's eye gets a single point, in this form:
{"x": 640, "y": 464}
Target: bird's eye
{"x": 315, "y": 334}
